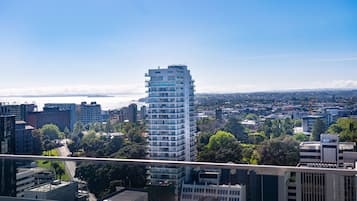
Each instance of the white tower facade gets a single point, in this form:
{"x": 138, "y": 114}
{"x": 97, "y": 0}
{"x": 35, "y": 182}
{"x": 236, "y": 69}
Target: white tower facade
{"x": 171, "y": 121}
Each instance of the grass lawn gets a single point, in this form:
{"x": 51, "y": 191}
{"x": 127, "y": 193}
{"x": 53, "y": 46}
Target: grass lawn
{"x": 47, "y": 164}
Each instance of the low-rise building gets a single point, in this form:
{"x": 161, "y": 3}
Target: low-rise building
{"x": 208, "y": 187}
{"x": 326, "y": 153}
{"x": 123, "y": 194}
{"x": 25, "y": 179}
{"x": 194, "y": 192}
{"x": 57, "y": 190}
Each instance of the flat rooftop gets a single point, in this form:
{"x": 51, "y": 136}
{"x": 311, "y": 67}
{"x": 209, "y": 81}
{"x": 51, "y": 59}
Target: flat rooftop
{"x": 127, "y": 195}
{"x": 49, "y": 187}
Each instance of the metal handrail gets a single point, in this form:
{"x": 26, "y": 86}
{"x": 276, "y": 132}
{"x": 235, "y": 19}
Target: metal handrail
{"x": 259, "y": 169}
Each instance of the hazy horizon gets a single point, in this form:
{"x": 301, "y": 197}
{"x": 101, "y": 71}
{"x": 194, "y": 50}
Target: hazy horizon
{"x": 106, "y": 47}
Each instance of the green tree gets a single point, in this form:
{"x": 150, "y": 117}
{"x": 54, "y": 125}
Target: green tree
{"x": 134, "y": 135}
{"x": 222, "y": 147}
{"x": 318, "y": 129}
{"x": 335, "y": 129}
{"x": 251, "y": 117}
{"x": 267, "y": 128}
{"x": 37, "y": 142}
{"x": 96, "y": 126}
{"x": 66, "y": 132}
{"x": 256, "y": 138}
{"x": 57, "y": 169}
{"x": 51, "y": 131}
{"x": 288, "y": 127}
{"x": 114, "y": 145}
{"x": 135, "y": 151}
{"x": 297, "y": 122}
{"x": 208, "y": 125}
{"x": 73, "y": 147}
{"x": 235, "y": 127}
{"x": 100, "y": 177}
{"x": 109, "y": 127}
{"x": 279, "y": 151}
{"x": 277, "y": 128}
{"x": 250, "y": 154}
{"x": 48, "y": 145}
{"x": 78, "y": 128}
{"x": 301, "y": 137}
{"x": 202, "y": 140}
{"x": 346, "y": 128}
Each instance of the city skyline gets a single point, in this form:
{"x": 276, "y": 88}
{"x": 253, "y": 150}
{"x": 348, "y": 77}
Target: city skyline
{"x": 106, "y": 47}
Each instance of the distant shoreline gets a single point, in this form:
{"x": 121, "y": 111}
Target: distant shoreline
{"x": 198, "y": 94}
{"x": 67, "y": 95}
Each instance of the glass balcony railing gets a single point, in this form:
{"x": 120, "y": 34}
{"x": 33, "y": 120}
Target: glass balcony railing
{"x": 29, "y": 177}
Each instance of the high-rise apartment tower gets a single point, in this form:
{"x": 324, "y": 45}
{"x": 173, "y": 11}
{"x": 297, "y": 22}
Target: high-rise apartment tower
{"x": 171, "y": 121}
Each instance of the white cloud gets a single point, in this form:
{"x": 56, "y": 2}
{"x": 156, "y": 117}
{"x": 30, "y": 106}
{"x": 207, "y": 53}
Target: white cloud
{"x": 350, "y": 84}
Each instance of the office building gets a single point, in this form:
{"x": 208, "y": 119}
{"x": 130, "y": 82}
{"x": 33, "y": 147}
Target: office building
{"x": 25, "y": 179}
{"x": 71, "y": 107}
{"x": 219, "y": 114}
{"x": 208, "y": 187}
{"x": 90, "y": 113}
{"x": 105, "y": 115}
{"x": 7, "y": 146}
{"x": 133, "y": 113}
{"x": 23, "y": 138}
{"x": 20, "y": 111}
{"x": 308, "y": 122}
{"x": 171, "y": 122}
{"x": 194, "y": 192}
{"x": 143, "y": 112}
{"x": 124, "y": 114}
{"x": 57, "y": 190}
{"x": 328, "y": 152}
{"x": 50, "y": 115}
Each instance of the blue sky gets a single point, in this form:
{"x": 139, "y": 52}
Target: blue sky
{"x": 230, "y": 46}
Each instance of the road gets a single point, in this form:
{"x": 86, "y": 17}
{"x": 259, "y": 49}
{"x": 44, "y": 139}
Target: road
{"x": 71, "y": 165}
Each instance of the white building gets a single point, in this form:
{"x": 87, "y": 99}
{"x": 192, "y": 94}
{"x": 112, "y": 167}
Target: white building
{"x": 208, "y": 188}
{"x": 27, "y": 178}
{"x": 326, "y": 153}
{"x": 194, "y": 192}
{"x": 171, "y": 121}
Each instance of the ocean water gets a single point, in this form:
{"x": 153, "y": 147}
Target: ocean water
{"x": 107, "y": 102}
